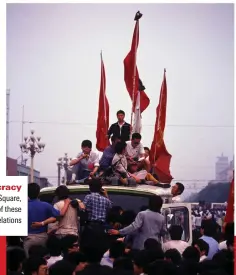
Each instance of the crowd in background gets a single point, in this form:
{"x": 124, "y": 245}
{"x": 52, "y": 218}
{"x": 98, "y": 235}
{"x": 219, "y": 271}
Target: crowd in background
{"x": 94, "y": 236}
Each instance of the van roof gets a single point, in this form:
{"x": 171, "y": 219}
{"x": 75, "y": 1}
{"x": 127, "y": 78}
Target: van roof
{"x": 137, "y": 189}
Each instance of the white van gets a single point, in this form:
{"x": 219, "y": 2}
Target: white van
{"x": 133, "y": 198}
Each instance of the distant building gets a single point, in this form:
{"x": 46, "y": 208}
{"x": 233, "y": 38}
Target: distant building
{"x": 11, "y": 166}
{"x": 23, "y": 170}
{"x": 221, "y": 168}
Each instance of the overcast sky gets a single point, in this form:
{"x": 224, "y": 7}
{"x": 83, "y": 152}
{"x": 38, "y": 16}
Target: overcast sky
{"x": 53, "y": 69}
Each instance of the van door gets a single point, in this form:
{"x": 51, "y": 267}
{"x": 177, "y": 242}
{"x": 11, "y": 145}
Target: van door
{"x": 179, "y": 214}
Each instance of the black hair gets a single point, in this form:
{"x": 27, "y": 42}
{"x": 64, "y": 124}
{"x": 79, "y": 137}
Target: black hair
{"x": 151, "y": 244}
{"x": 155, "y": 203}
{"x": 95, "y": 186}
{"x": 176, "y": 232}
{"x": 54, "y": 246}
{"x": 38, "y": 251}
{"x": 229, "y": 230}
{"x": 141, "y": 259}
{"x": 203, "y": 246}
{"x": 120, "y": 146}
{"x": 120, "y": 112}
{"x": 75, "y": 258}
{"x": 62, "y": 267}
{"x": 68, "y": 242}
{"x": 162, "y": 267}
{"x": 180, "y": 187}
{"x": 14, "y": 241}
{"x": 15, "y": 257}
{"x": 209, "y": 228}
{"x": 136, "y": 136}
{"x": 123, "y": 263}
{"x": 146, "y": 148}
{"x": 174, "y": 256}
{"x": 86, "y": 143}
{"x": 114, "y": 138}
{"x": 62, "y": 192}
{"x": 33, "y": 190}
{"x": 93, "y": 253}
{"x": 32, "y": 264}
{"x": 128, "y": 217}
{"x": 117, "y": 249}
{"x": 191, "y": 254}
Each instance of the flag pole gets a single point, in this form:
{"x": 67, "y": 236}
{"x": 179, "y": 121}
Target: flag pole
{"x": 158, "y": 121}
{"x": 138, "y": 15}
{"x": 103, "y": 89}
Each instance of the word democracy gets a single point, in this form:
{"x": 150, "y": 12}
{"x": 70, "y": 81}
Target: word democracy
{"x": 10, "y": 188}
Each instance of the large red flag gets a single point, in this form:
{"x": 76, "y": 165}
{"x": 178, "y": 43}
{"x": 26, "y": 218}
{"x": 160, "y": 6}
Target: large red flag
{"x": 131, "y": 75}
{"x": 103, "y": 114}
{"x": 229, "y": 217}
{"x": 159, "y": 156}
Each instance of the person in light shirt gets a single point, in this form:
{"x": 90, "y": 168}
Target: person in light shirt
{"x": 176, "y": 232}
{"x": 135, "y": 149}
{"x": 86, "y": 164}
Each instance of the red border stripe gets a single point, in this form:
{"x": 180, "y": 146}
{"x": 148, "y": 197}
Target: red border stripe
{"x": 3, "y": 248}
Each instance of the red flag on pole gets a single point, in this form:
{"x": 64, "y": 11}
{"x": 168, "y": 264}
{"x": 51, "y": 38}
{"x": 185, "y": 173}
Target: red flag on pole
{"x": 131, "y": 75}
{"x": 103, "y": 113}
{"x": 159, "y": 155}
{"x": 229, "y": 217}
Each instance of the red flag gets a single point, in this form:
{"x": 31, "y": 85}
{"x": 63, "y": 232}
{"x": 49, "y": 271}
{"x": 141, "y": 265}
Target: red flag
{"x": 229, "y": 217}
{"x": 132, "y": 80}
{"x": 159, "y": 156}
{"x": 103, "y": 114}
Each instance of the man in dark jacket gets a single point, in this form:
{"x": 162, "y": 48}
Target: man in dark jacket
{"x": 121, "y": 128}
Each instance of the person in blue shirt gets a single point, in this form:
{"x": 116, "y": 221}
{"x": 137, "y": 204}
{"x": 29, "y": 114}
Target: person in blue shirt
{"x": 40, "y": 214}
{"x": 108, "y": 154}
{"x": 208, "y": 230}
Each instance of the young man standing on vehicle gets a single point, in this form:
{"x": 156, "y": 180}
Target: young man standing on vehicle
{"x": 86, "y": 164}
{"x": 121, "y": 128}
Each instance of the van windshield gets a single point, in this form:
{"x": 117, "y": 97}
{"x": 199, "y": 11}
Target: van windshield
{"x": 136, "y": 202}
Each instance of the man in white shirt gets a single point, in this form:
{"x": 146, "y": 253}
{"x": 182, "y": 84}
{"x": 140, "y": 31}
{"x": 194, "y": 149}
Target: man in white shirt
{"x": 170, "y": 194}
{"x": 86, "y": 164}
{"x": 135, "y": 149}
{"x": 176, "y": 232}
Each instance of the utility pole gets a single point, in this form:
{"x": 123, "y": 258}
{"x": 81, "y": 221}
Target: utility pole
{"x": 22, "y": 133}
{"x": 7, "y": 121}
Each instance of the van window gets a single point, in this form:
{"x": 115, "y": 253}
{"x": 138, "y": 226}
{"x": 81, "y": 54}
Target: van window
{"x": 127, "y": 201}
{"x": 178, "y": 216}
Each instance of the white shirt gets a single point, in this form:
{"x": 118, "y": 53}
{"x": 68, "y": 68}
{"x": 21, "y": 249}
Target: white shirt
{"x": 93, "y": 158}
{"x": 134, "y": 152}
{"x": 52, "y": 260}
{"x": 222, "y": 245}
{"x": 179, "y": 245}
{"x": 68, "y": 224}
{"x": 203, "y": 258}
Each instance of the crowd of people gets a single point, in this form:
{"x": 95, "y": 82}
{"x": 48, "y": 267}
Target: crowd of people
{"x": 94, "y": 236}
{"x": 200, "y": 213}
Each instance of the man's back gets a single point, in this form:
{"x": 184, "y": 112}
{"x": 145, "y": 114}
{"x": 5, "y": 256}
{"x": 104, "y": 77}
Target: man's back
{"x": 97, "y": 206}
{"x": 39, "y": 211}
{"x": 68, "y": 224}
{"x": 95, "y": 269}
{"x": 213, "y": 246}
